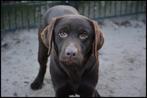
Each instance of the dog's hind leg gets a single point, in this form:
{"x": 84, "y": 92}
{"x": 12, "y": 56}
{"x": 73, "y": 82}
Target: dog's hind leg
{"x": 42, "y": 59}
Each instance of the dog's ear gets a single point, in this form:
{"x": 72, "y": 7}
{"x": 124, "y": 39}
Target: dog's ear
{"x": 99, "y": 38}
{"x": 47, "y": 34}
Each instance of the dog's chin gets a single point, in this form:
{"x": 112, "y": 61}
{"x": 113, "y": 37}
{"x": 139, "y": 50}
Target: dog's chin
{"x": 69, "y": 62}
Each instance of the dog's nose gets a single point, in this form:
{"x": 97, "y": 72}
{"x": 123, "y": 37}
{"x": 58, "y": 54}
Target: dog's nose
{"x": 71, "y": 51}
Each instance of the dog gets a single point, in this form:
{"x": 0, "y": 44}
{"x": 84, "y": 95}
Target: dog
{"x": 72, "y": 41}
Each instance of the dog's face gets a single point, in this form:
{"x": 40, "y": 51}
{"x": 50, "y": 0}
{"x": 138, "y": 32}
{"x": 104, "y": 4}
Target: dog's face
{"x": 75, "y": 38}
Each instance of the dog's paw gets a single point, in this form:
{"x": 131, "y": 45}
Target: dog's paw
{"x": 36, "y": 85}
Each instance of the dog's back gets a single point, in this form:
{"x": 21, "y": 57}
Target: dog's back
{"x": 57, "y": 11}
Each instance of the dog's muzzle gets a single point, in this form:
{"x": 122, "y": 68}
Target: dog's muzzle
{"x": 71, "y": 54}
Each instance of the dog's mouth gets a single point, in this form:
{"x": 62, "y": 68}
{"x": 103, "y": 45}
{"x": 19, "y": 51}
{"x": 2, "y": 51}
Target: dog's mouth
{"x": 78, "y": 61}
{"x": 68, "y": 61}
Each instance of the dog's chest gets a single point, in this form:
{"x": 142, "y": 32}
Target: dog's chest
{"x": 74, "y": 77}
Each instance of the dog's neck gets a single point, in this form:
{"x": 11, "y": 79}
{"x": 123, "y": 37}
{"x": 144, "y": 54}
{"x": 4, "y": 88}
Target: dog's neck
{"x": 75, "y": 72}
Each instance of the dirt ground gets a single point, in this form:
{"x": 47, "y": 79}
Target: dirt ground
{"x": 122, "y": 61}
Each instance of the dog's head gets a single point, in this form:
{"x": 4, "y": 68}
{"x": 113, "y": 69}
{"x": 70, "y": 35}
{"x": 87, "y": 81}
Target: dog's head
{"x": 75, "y": 38}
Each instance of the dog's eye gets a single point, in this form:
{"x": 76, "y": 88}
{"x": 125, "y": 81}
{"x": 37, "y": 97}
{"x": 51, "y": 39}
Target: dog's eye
{"x": 83, "y": 36}
{"x": 63, "y": 34}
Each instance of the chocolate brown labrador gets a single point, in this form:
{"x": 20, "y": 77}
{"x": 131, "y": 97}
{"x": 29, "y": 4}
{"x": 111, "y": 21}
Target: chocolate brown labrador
{"x": 72, "y": 41}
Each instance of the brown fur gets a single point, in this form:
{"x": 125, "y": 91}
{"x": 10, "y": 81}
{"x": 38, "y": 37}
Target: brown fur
{"x": 87, "y": 75}
{"x": 99, "y": 40}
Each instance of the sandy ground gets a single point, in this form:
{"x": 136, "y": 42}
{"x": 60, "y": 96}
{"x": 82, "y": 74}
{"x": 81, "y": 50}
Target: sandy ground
{"x": 122, "y": 61}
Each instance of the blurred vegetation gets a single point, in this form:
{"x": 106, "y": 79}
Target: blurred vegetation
{"x": 95, "y": 9}
{"x": 27, "y": 14}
